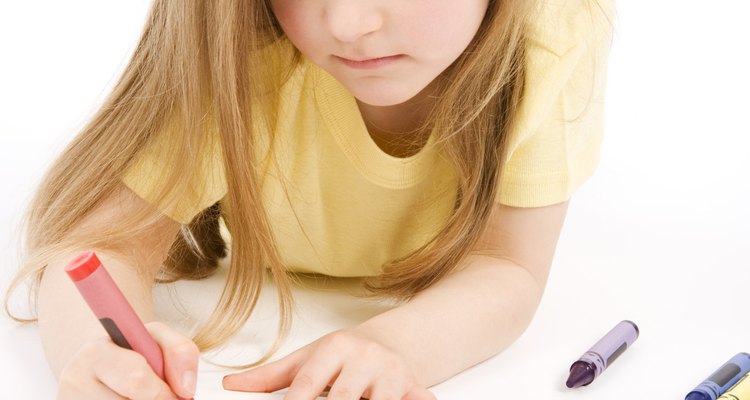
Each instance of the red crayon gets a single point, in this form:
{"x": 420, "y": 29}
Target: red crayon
{"x": 113, "y": 310}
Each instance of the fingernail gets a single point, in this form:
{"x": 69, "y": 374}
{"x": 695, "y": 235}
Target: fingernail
{"x": 189, "y": 381}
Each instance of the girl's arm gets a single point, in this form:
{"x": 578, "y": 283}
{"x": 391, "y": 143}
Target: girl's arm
{"x": 78, "y": 349}
{"x": 460, "y": 321}
{"x": 481, "y": 309}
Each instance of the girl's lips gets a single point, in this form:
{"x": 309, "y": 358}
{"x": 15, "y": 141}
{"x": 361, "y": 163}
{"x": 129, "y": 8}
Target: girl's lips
{"x": 370, "y": 63}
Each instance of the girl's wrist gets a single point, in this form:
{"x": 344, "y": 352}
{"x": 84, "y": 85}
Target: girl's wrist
{"x": 390, "y": 335}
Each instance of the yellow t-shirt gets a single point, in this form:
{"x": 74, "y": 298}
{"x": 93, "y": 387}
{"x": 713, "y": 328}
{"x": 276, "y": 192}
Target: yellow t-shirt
{"x": 341, "y": 206}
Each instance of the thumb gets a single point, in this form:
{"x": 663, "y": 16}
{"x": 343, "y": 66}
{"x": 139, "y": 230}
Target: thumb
{"x": 180, "y": 358}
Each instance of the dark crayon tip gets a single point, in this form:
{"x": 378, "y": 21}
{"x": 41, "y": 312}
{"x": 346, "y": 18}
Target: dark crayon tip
{"x": 581, "y": 374}
{"x": 695, "y": 395}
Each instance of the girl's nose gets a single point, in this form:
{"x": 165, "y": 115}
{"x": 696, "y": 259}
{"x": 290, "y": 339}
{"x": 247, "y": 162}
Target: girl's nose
{"x": 349, "y": 20}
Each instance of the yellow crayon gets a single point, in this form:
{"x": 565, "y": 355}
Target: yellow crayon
{"x": 740, "y": 390}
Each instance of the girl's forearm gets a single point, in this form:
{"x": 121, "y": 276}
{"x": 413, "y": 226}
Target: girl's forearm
{"x": 462, "y": 320}
{"x": 66, "y": 322}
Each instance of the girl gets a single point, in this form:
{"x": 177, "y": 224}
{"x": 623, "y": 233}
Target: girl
{"x": 429, "y": 147}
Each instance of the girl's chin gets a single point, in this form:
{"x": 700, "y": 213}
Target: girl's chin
{"x": 381, "y": 91}
{"x": 384, "y": 99}
{"x": 384, "y": 94}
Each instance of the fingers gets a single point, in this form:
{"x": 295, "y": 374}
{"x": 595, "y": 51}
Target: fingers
{"x": 352, "y": 364}
{"x": 101, "y": 369}
{"x": 180, "y": 358}
{"x": 388, "y": 390}
{"x": 82, "y": 389}
{"x": 418, "y": 393}
{"x": 130, "y": 375}
{"x": 351, "y": 384}
{"x": 308, "y": 381}
{"x": 313, "y": 377}
{"x": 267, "y": 378}
{"x": 305, "y": 378}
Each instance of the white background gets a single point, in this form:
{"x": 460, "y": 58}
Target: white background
{"x": 659, "y": 235}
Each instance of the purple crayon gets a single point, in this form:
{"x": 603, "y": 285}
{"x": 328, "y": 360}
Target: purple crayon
{"x": 602, "y": 354}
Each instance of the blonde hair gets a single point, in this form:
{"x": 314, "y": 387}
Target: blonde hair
{"x": 195, "y": 59}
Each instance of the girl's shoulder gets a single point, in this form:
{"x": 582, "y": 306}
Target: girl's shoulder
{"x": 560, "y": 25}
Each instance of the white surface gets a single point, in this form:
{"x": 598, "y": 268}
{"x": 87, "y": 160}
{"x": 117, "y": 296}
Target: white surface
{"x": 659, "y": 235}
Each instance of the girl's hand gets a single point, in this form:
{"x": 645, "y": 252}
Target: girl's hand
{"x": 102, "y": 370}
{"x": 351, "y": 362}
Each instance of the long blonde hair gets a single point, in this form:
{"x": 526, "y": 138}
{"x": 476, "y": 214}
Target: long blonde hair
{"x": 196, "y": 58}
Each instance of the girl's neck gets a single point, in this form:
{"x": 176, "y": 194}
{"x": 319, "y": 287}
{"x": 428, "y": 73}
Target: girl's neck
{"x": 399, "y": 129}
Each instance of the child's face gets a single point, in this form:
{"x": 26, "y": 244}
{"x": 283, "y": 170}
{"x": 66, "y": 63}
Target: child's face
{"x": 350, "y": 38}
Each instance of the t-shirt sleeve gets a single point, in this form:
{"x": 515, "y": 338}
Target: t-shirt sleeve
{"x": 555, "y": 145}
{"x": 206, "y": 182}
